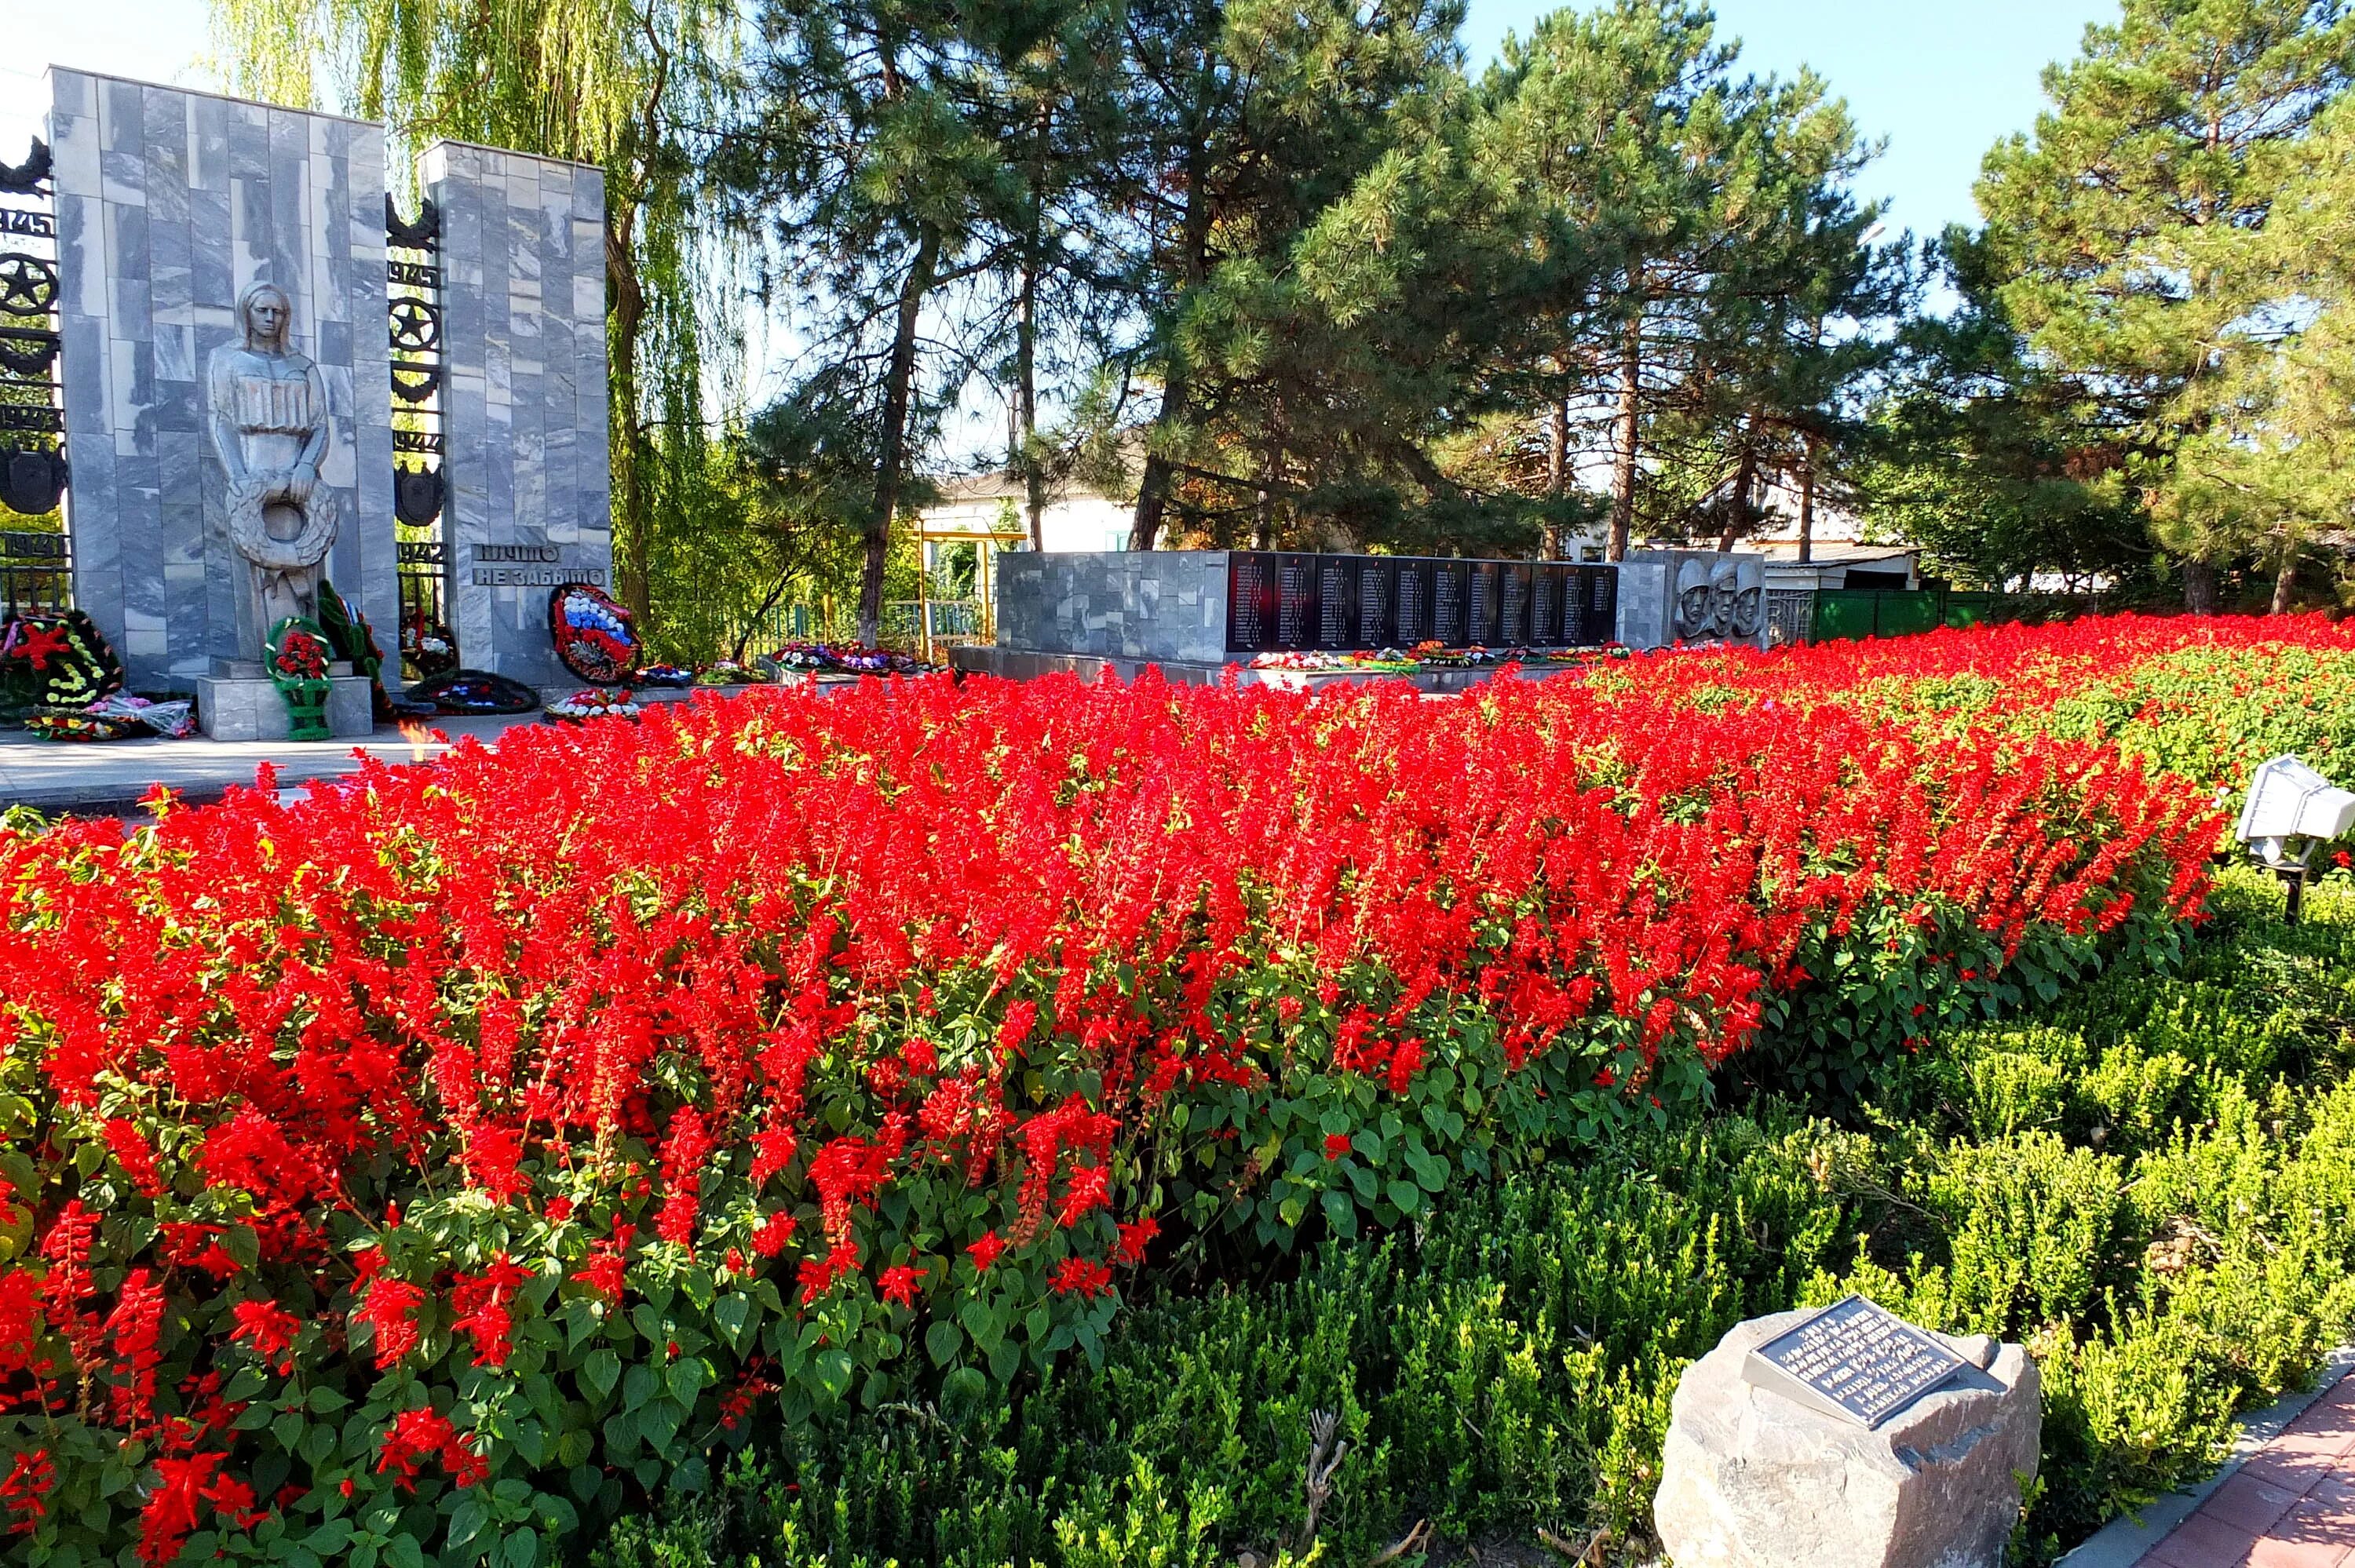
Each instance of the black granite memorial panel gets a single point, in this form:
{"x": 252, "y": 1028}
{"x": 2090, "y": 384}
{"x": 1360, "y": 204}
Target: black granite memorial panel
{"x": 1482, "y": 606}
{"x": 1336, "y": 602}
{"x": 1251, "y": 602}
{"x": 1857, "y": 1359}
{"x": 1451, "y": 596}
{"x": 1378, "y": 577}
{"x": 1412, "y": 605}
{"x": 1513, "y": 617}
{"x": 1545, "y": 604}
{"x": 1295, "y": 601}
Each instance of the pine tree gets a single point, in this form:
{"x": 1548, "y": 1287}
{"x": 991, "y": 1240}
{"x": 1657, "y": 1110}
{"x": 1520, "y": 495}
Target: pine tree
{"x": 2128, "y": 227}
{"x": 2274, "y": 470}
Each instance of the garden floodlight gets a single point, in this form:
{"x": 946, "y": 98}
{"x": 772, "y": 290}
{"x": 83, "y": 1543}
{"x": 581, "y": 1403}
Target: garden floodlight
{"x": 2291, "y": 809}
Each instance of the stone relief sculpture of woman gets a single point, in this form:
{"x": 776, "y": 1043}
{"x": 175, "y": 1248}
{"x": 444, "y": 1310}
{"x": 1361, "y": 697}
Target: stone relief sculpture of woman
{"x": 270, "y": 427}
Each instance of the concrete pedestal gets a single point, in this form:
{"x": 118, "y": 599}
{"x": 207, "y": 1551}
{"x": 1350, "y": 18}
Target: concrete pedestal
{"x": 231, "y": 708}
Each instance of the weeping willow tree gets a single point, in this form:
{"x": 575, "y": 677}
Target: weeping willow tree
{"x": 627, "y": 85}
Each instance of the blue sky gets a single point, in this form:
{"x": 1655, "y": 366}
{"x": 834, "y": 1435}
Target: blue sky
{"x": 1941, "y": 83}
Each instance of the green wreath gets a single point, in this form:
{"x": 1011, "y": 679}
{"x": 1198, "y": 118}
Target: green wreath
{"x": 351, "y": 637}
{"x": 55, "y": 660}
{"x": 297, "y": 656}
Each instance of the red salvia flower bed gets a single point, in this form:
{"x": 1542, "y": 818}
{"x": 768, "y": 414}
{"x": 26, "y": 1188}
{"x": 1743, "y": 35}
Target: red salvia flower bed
{"x": 466, "y": 1149}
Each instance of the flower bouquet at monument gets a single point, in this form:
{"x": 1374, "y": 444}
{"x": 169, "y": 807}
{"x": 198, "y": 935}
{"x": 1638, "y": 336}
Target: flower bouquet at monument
{"x": 727, "y": 673}
{"x": 594, "y": 638}
{"x": 1437, "y": 655}
{"x": 800, "y": 658}
{"x": 75, "y": 724}
{"x": 474, "y": 694}
{"x": 1313, "y": 662}
{"x": 427, "y": 646}
{"x": 669, "y": 676}
{"x": 56, "y": 660}
{"x": 297, "y": 657}
{"x": 858, "y": 661}
{"x": 171, "y": 719}
{"x": 592, "y": 703}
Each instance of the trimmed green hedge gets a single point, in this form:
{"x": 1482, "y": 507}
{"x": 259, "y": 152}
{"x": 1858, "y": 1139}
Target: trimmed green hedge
{"x": 2152, "y": 1182}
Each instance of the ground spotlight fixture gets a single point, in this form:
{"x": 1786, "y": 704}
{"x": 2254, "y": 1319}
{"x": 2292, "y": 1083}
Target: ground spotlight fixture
{"x": 2291, "y": 811}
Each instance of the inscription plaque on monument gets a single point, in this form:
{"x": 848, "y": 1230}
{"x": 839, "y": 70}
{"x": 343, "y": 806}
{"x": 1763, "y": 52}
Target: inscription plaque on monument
{"x": 1480, "y": 627}
{"x": 1854, "y": 1360}
{"x": 1545, "y": 606}
{"x": 1451, "y": 586}
{"x": 1413, "y": 605}
{"x": 1336, "y": 601}
{"x": 1513, "y": 621}
{"x": 1251, "y": 589}
{"x": 1295, "y": 602}
{"x": 1377, "y": 592}
{"x": 1291, "y": 600}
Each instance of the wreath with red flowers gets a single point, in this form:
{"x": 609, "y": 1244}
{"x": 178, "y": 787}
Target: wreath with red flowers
{"x": 302, "y": 657}
{"x": 297, "y": 656}
{"x": 593, "y": 635}
{"x": 56, "y": 659}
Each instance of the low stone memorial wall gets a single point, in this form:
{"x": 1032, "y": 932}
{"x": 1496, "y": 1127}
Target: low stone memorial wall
{"x": 1195, "y": 612}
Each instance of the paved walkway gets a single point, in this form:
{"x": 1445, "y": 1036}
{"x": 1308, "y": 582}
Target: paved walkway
{"x": 106, "y": 779}
{"x": 2290, "y": 1505}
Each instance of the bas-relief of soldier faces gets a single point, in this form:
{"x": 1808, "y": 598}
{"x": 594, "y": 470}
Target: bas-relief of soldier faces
{"x": 1714, "y": 605}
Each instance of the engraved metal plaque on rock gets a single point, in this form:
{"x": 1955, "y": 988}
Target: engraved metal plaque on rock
{"x": 1853, "y": 1361}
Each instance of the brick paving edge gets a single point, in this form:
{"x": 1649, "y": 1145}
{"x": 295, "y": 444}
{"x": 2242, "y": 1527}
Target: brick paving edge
{"x": 2125, "y": 1539}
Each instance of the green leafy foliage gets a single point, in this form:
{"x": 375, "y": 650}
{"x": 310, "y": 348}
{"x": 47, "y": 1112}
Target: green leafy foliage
{"x": 2151, "y": 1183}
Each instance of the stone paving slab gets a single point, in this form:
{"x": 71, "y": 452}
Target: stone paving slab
{"x": 2288, "y": 1503}
{"x": 107, "y": 779}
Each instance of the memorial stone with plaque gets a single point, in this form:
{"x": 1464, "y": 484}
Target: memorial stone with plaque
{"x": 1847, "y": 1438}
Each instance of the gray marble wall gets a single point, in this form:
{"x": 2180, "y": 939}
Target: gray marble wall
{"x": 523, "y": 258}
{"x": 1130, "y": 604}
{"x": 1667, "y": 597}
{"x": 169, "y": 204}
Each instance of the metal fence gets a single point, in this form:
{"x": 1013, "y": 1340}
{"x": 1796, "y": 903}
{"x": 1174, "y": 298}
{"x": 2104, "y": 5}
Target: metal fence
{"x": 953, "y": 621}
{"x": 1848, "y": 614}
{"x": 36, "y": 571}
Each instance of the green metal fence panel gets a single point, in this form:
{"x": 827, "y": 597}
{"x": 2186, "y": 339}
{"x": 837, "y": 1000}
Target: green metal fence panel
{"x": 1904, "y": 614}
{"x": 1848, "y": 614}
{"x": 1844, "y": 616}
{"x": 1971, "y": 609}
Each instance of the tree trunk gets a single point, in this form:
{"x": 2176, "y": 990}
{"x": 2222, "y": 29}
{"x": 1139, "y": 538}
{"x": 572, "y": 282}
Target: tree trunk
{"x": 2199, "y": 588}
{"x": 1176, "y": 383}
{"x": 1624, "y": 427}
{"x": 898, "y": 392}
{"x": 627, "y": 294}
{"x": 1808, "y": 504}
{"x": 1745, "y": 479}
{"x": 1026, "y": 345}
{"x": 1557, "y": 472}
{"x": 2286, "y": 583}
{"x": 1026, "y": 355}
